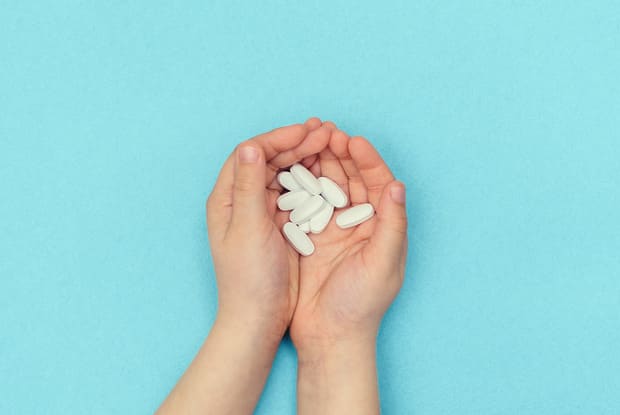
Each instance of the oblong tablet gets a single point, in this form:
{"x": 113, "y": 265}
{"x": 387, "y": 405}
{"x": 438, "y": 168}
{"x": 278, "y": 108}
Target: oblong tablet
{"x": 332, "y": 192}
{"x": 305, "y": 211}
{"x": 306, "y": 179}
{"x": 305, "y": 227}
{"x": 286, "y": 180}
{"x": 319, "y": 221}
{"x": 291, "y": 200}
{"x": 298, "y": 239}
{"x": 355, "y": 215}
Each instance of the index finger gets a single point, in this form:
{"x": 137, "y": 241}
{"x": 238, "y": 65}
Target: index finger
{"x": 219, "y": 204}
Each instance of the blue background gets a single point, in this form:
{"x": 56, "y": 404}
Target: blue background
{"x": 501, "y": 116}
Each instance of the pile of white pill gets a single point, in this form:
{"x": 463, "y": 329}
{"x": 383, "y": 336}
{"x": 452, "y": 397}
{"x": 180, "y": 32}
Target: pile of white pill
{"x": 312, "y": 202}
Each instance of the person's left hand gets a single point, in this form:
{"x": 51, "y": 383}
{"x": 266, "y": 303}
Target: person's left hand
{"x": 257, "y": 274}
{"x": 257, "y": 271}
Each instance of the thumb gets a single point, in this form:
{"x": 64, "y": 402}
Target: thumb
{"x": 249, "y": 203}
{"x": 388, "y": 243}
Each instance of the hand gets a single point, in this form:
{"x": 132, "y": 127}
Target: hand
{"x": 348, "y": 283}
{"x": 257, "y": 275}
{"x": 257, "y": 271}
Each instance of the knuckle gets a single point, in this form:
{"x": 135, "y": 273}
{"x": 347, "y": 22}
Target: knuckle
{"x": 243, "y": 185}
{"x": 399, "y": 226}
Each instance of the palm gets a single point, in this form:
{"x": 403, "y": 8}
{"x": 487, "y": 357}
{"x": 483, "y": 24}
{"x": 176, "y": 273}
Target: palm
{"x": 339, "y": 282}
{"x": 334, "y": 280}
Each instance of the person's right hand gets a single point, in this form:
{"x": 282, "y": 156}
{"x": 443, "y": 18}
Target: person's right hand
{"x": 354, "y": 274}
{"x": 348, "y": 283}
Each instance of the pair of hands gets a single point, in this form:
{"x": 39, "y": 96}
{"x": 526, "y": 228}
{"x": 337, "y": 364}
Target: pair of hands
{"x": 339, "y": 294}
{"x": 332, "y": 301}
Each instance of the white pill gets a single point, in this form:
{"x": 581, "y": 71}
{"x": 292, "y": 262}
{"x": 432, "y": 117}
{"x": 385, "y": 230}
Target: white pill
{"x": 305, "y": 227}
{"x": 306, "y": 179}
{"x": 298, "y": 239}
{"x": 355, "y": 215}
{"x": 332, "y": 192}
{"x": 319, "y": 221}
{"x": 305, "y": 211}
{"x": 287, "y": 181}
{"x": 291, "y": 200}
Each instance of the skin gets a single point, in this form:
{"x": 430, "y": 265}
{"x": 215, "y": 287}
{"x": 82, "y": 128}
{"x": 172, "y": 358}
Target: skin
{"x": 348, "y": 283}
{"x": 333, "y": 301}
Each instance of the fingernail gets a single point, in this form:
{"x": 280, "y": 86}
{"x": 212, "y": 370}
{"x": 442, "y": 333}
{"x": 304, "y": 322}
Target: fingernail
{"x": 397, "y": 193}
{"x": 248, "y": 154}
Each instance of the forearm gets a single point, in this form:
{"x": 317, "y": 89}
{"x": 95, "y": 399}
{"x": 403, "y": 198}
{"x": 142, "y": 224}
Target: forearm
{"x": 338, "y": 379}
{"x": 226, "y": 376}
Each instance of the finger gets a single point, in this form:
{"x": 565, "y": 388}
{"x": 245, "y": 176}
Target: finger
{"x": 339, "y": 145}
{"x": 219, "y": 203}
{"x": 331, "y": 167}
{"x": 309, "y": 161}
{"x": 272, "y": 143}
{"x": 272, "y": 199}
{"x": 313, "y": 123}
{"x": 330, "y": 125}
{"x": 375, "y": 173}
{"x": 315, "y": 168}
{"x": 315, "y": 141}
{"x": 275, "y": 185}
{"x": 249, "y": 202}
{"x": 388, "y": 242}
{"x": 281, "y": 139}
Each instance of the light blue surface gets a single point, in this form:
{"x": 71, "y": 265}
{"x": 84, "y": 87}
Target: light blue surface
{"x": 502, "y": 117}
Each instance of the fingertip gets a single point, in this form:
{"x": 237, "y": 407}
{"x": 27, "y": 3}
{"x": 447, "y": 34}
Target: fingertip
{"x": 339, "y": 143}
{"x": 313, "y": 123}
{"x": 249, "y": 153}
{"x": 330, "y": 124}
{"x": 359, "y": 145}
{"x": 320, "y": 137}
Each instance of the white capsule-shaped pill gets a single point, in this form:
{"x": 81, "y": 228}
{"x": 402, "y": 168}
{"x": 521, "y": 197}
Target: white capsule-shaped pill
{"x": 332, "y": 192}
{"x": 305, "y": 227}
{"x": 305, "y": 211}
{"x": 355, "y": 215}
{"x": 291, "y": 200}
{"x": 298, "y": 239}
{"x": 319, "y": 221}
{"x": 287, "y": 181}
{"x": 306, "y": 179}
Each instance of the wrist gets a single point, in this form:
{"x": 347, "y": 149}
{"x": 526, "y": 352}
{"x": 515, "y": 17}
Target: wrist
{"x": 329, "y": 352}
{"x": 338, "y": 377}
{"x": 313, "y": 345}
{"x": 255, "y": 330}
